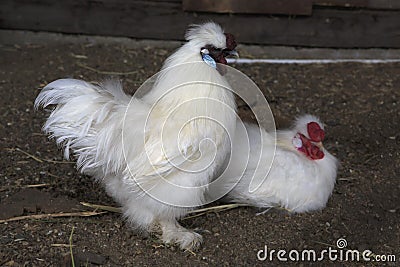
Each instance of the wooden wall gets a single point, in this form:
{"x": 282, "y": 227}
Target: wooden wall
{"x": 309, "y": 23}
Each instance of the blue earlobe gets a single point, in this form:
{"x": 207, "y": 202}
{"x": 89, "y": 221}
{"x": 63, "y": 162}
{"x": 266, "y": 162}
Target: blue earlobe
{"x": 209, "y": 61}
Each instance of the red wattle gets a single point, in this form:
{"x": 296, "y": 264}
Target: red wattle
{"x": 309, "y": 149}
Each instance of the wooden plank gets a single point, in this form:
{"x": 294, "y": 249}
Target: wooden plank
{"x": 384, "y": 4}
{"x": 326, "y": 28}
{"x": 370, "y": 4}
{"x": 287, "y": 7}
{"x": 341, "y": 3}
{"x": 144, "y": 19}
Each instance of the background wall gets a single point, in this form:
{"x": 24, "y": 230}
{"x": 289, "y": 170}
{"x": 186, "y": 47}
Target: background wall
{"x": 308, "y": 23}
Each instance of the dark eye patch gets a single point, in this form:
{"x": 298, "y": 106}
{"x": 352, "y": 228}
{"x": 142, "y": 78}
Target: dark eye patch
{"x": 212, "y": 48}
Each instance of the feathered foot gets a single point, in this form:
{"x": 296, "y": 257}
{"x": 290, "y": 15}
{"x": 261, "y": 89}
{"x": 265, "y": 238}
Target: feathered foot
{"x": 174, "y": 233}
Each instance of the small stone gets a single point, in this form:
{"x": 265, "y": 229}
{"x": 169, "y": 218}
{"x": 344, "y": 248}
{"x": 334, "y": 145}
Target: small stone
{"x": 90, "y": 257}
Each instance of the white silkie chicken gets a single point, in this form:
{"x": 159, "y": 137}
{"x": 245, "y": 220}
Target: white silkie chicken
{"x": 302, "y": 174}
{"x": 154, "y": 154}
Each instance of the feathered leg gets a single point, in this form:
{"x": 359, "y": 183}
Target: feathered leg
{"x": 174, "y": 233}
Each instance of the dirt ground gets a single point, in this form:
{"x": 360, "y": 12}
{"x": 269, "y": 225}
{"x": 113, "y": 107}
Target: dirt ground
{"x": 360, "y": 104}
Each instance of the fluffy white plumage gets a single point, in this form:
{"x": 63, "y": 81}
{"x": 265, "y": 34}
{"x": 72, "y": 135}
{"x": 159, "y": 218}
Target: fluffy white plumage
{"x": 151, "y": 153}
{"x": 294, "y": 182}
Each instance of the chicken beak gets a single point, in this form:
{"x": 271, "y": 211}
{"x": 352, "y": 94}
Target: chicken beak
{"x": 232, "y": 54}
{"x": 319, "y": 145}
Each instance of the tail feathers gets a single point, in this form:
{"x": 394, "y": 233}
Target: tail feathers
{"x": 88, "y": 121}
{"x": 63, "y": 90}
{"x": 59, "y": 91}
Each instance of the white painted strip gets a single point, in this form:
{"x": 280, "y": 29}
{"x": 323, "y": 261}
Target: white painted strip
{"x": 310, "y": 61}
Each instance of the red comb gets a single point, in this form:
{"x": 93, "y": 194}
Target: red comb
{"x": 230, "y": 41}
{"x": 315, "y": 132}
